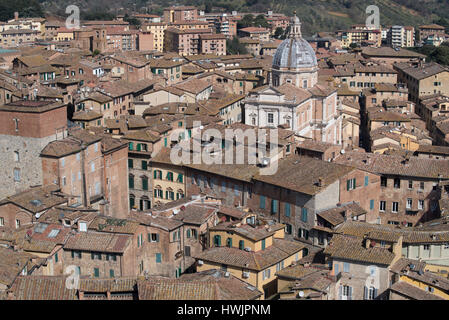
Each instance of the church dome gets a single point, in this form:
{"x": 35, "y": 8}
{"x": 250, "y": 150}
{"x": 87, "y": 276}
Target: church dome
{"x": 294, "y": 52}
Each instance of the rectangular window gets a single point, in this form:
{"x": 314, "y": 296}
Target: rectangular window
{"x": 409, "y": 203}
{"x": 371, "y": 204}
{"x": 350, "y": 184}
{"x": 274, "y": 206}
{"x": 382, "y": 206}
{"x": 287, "y": 209}
{"x": 345, "y": 267}
{"x": 383, "y": 181}
{"x": 130, "y": 163}
{"x": 16, "y": 175}
{"x": 304, "y": 214}
{"x": 2, "y": 222}
{"x": 158, "y": 257}
{"x": 410, "y": 184}
{"x": 262, "y": 202}
{"x": 270, "y": 118}
{"x": 96, "y": 272}
{"x": 144, "y": 183}
{"x": 111, "y": 273}
{"x": 395, "y": 207}
{"x": 421, "y": 186}
{"x": 397, "y": 183}
{"x": 366, "y": 180}
{"x": 144, "y": 165}
{"x": 420, "y": 204}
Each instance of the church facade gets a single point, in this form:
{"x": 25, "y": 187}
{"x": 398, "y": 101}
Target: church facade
{"x": 294, "y": 96}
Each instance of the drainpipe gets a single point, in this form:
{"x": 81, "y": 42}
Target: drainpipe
{"x": 83, "y": 175}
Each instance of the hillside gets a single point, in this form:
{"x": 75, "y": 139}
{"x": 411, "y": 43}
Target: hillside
{"x": 317, "y": 15}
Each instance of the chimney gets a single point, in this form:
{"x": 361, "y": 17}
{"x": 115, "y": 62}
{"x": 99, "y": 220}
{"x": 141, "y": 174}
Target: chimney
{"x": 16, "y": 16}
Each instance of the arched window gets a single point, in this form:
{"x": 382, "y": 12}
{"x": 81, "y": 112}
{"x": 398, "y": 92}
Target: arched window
{"x": 144, "y": 182}
{"x": 144, "y": 203}
{"x": 179, "y": 194}
{"x": 169, "y": 194}
{"x": 132, "y": 201}
{"x": 158, "y": 192}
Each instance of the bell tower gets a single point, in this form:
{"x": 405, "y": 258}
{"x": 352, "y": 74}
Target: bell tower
{"x": 295, "y": 27}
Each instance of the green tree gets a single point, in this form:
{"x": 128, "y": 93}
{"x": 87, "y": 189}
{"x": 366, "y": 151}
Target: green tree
{"x": 25, "y": 8}
{"x": 132, "y": 21}
{"x": 208, "y": 7}
{"x": 246, "y": 21}
{"x": 260, "y": 21}
{"x": 278, "y": 33}
{"x": 286, "y": 32}
{"x": 235, "y": 47}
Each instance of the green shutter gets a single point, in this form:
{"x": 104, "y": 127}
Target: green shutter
{"x": 263, "y": 244}
{"x": 304, "y": 214}
{"x": 262, "y": 202}
{"x": 130, "y": 146}
{"x": 241, "y": 245}
{"x": 217, "y": 241}
{"x": 287, "y": 209}
{"x": 144, "y": 183}
{"x": 274, "y": 206}
{"x": 347, "y": 185}
{"x": 355, "y": 184}
{"x": 188, "y": 233}
{"x": 180, "y": 177}
{"x": 131, "y": 182}
{"x": 165, "y": 142}
{"x": 144, "y": 165}
{"x": 154, "y": 174}
{"x": 158, "y": 257}
{"x": 96, "y": 272}
{"x": 131, "y": 202}
{"x": 111, "y": 273}
{"x": 130, "y": 163}
{"x": 139, "y": 147}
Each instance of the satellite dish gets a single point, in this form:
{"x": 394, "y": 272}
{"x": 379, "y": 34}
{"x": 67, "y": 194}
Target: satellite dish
{"x": 301, "y": 294}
